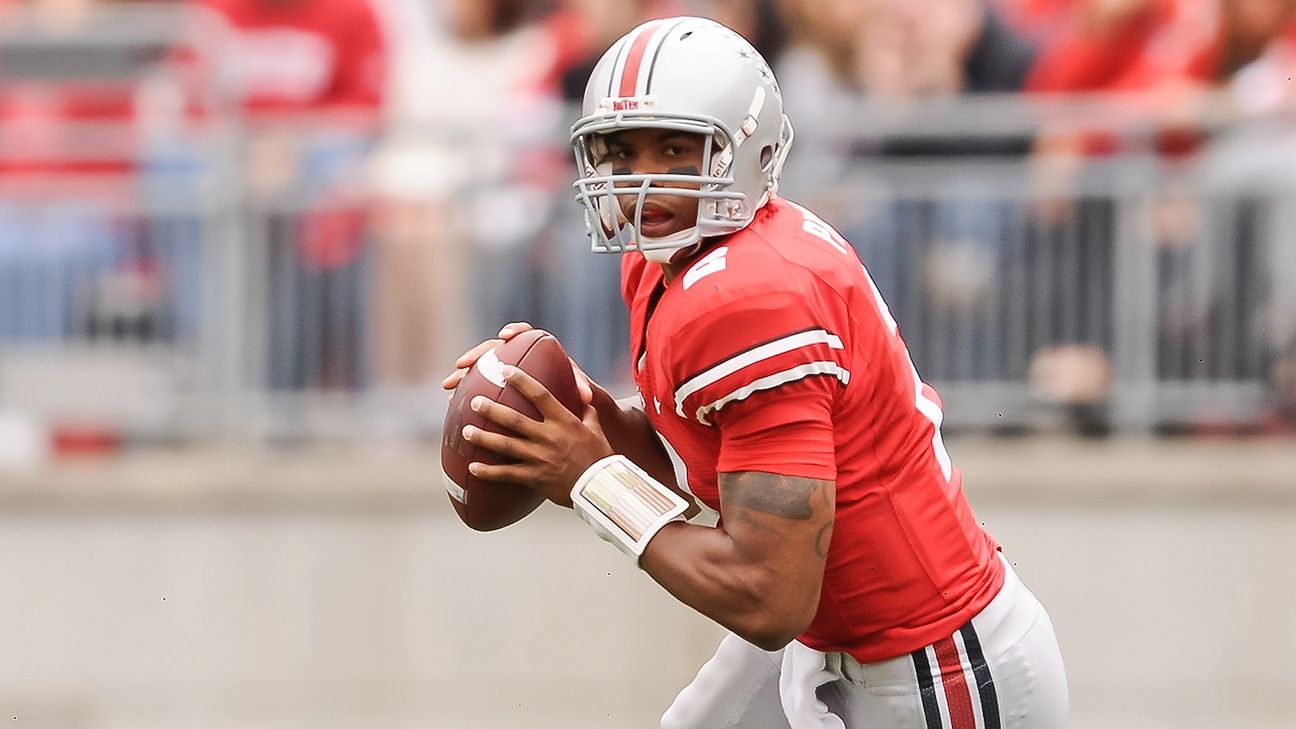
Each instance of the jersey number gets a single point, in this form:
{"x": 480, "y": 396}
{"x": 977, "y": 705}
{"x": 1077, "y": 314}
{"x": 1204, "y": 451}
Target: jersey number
{"x": 924, "y": 396}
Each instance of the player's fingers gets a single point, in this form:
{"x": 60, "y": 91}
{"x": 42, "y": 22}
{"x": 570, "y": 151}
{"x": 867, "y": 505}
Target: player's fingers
{"x": 532, "y": 390}
{"x": 514, "y": 328}
{"x": 505, "y": 416}
{"x": 504, "y": 445}
{"x": 591, "y": 420}
{"x": 493, "y": 472}
{"x": 454, "y": 378}
{"x": 468, "y": 358}
{"x": 582, "y": 383}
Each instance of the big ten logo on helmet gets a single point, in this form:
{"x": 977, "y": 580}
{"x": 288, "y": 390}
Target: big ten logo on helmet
{"x": 628, "y": 103}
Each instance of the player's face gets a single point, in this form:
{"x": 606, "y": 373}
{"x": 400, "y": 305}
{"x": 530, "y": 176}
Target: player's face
{"x": 658, "y": 151}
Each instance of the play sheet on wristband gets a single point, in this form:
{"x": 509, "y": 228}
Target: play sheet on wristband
{"x": 623, "y": 497}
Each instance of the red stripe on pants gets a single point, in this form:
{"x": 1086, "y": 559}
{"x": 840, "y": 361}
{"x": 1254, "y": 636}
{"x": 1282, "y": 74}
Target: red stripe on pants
{"x": 955, "y": 682}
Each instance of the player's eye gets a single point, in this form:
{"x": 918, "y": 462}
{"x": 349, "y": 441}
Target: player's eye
{"x": 613, "y": 155}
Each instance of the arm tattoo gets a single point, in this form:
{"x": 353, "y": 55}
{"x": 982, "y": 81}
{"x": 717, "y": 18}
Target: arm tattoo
{"x": 782, "y": 496}
{"x": 828, "y": 497}
{"x": 758, "y": 501}
{"x": 824, "y": 539}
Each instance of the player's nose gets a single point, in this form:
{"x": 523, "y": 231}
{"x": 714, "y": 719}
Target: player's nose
{"x": 657, "y": 163}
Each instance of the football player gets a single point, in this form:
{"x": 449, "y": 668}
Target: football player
{"x": 841, "y": 553}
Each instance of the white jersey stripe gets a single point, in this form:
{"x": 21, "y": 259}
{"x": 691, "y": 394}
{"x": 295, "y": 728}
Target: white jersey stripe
{"x": 751, "y": 357}
{"x": 769, "y": 382}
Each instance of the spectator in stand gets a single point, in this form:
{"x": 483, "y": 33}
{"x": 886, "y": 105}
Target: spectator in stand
{"x": 311, "y": 75}
{"x": 891, "y": 53}
{"x": 68, "y": 260}
{"x": 895, "y": 56}
{"x": 1146, "y": 47}
{"x": 1041, "y": 21}
{"x": 821, "y": 81}
{"x": 474, "y": 123}
{"x": 1254, "y": 48}
{"x": 1246, "y": 68}
{"x": 1142, "y": 50}
{"x": 507, "y": 68}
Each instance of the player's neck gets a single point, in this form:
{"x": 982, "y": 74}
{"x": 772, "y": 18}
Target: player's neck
{"x": 686, "y": 257}
{"x": 670, "y": 271}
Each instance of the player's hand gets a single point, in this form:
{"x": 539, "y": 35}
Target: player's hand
{"x": 584, "y": 384}
{"x": 549, "y": 454}
{"x": 469, "y": 358}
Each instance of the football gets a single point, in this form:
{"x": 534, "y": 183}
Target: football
{"x": 489, "y": 505}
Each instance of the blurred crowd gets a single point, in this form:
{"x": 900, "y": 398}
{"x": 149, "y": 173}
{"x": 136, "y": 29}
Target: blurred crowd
{"x": 404, "y": 157}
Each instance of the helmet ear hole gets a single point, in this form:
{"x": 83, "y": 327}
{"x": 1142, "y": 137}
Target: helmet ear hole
{"x": 766, "y": 156}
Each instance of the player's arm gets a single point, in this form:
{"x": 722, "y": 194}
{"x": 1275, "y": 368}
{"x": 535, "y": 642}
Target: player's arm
{"x": 759, "y": 574}
{"x": 630, "y": 433}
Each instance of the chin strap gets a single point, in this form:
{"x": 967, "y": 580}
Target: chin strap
{"x": 624, "y": 505}
{"x": 663, "y": 250}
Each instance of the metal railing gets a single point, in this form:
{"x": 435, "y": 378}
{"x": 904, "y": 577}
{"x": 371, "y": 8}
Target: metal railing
{"x": 182, "y": 297}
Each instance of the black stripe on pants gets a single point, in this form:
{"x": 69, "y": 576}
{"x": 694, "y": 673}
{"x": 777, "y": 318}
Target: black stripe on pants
{"x": 927, "y": 689}
{"x": 985, "y": 682}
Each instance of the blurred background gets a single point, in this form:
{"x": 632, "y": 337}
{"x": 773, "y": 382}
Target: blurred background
{"x": 241, "y": 241}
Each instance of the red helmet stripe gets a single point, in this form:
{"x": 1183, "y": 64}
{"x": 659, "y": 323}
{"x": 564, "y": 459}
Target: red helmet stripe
{"x": 638, "y": 46}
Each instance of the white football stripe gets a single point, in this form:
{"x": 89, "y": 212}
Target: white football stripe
{"x": 770, "y": 382}
{"x": 490, "y": 367}
{"x": 455, "y": 490}
{"x": 751, "y": 357}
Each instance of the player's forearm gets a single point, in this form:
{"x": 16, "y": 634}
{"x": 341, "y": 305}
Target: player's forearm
{"x": 703, "y": 568}
{"x": 629, "y": 433}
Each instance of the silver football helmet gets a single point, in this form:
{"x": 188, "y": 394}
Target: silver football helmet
{"x": 691, "y": 75}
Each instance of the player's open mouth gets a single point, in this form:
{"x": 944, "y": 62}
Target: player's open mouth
{"x": 656, "y": 221}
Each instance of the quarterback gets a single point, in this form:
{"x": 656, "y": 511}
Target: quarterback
{"x": 782, "y": 470}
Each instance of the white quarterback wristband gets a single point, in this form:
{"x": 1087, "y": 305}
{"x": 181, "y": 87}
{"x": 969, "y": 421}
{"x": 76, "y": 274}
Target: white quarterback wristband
{"x": 626, "y": 506}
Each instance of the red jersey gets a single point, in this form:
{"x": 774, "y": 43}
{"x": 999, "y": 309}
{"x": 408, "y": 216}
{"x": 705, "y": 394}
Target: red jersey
{"x": 774, "y": 352}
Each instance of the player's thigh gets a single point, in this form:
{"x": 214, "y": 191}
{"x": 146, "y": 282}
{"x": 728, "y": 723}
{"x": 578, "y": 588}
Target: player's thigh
{"x": 1015, "y": 635}
{"x": 1031, "y": 681}
{"x": 738, "y": 688}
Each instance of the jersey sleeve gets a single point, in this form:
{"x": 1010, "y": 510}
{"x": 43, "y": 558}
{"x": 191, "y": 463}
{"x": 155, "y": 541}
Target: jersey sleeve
{"x": 788, "y": 431}
{"x": 765, "y": 370}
